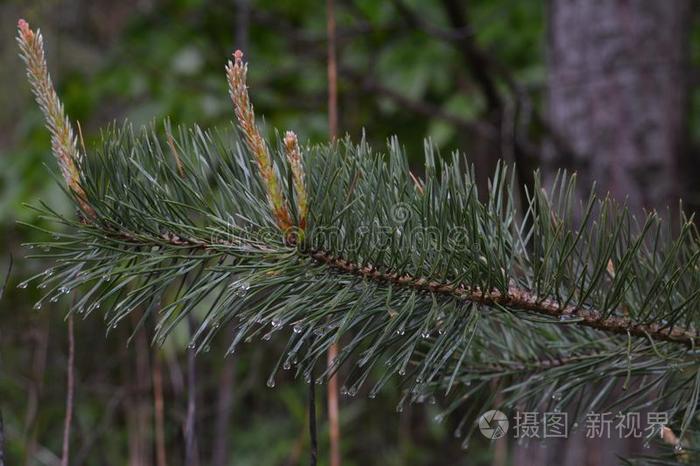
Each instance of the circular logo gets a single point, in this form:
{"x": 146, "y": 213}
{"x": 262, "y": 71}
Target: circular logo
{"x": 493, "y": 424}
{"x": 400, "y": 212}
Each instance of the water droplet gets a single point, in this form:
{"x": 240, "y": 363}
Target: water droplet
{"x": 287, "y": 365}
{"x": 372, "y": 394}
{"x": 465, "y": 444}
{"x": 276, "y": 322}
{"x": 556, "y": 396}
{"x": 425, "y": 334}
{"x": 457, "y": 433}
{"x": 23, "y": 285}
{"x": 241, "y": 287}
{"x": 53, "y": 299}
{"x": 574, "y": 426}
{"x": 352, "y": 391}
{"x": 432, "y": 400}
{"x": 29, "y": 246}
{"x": 678, "y": 447}
{"x": 56, "y": 236}
{"x": 441, "y": 331}
{"x": 37, "y": 305}
{"x": 42, "y": 285}
{"x": 439, "y": 418}
{"x": 64, "y": 290}
{"x": 566, "y": 317}
{"x": 106, "y": 278}
{"x": 399, "y": 407}
{"x": 267, "y": 336}
{"x": 297, "y": 328}
{"x": 271, "y": 382}
{"x": 48, "y": 272}
{"x": 402, "y": 371}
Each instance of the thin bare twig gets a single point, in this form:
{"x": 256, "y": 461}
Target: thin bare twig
{"x": 220, "y": 451}
{"x": 161, "y": 457}
{"x": 191, "y": 455}
{"x": 332, "y": 387}
{"x": 70, "y": 392}
{"x": 313, "y": 434}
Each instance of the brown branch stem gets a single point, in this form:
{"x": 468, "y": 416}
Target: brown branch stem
{"x": 519, "y": 299}
{"x": 70, "y": 390}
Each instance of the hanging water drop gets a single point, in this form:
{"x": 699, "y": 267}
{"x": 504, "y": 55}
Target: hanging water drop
{"x": 287, "y": 365}
{"x": 37, "y": 305}
{"x": 297, "y": 328}
{"x": 267, "y": 336}
{"x": 425, "y": 334}
{"x": 276, "y": 322}
{"x": 23, "y": 285}
{"x": 556, "y": 396}
{"x": 271, "y": 382}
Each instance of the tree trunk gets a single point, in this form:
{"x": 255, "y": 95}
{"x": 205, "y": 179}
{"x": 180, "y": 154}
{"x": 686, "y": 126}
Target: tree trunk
{"x": 618, "y": 86}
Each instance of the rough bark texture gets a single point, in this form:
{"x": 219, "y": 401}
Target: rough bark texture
{"x": 618, "y": 85}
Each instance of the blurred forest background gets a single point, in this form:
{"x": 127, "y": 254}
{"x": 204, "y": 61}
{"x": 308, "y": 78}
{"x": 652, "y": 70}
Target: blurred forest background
{"x": 607, "y": 88}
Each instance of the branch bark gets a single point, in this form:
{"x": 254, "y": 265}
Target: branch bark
{"x": 517, "y": 298}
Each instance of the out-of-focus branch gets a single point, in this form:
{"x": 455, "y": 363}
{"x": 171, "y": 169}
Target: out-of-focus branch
{"x": 428, "y": 109}
{"x": 332, "y": 388}
{"x": 191, "y": 454}
{"x": 220, "y": 451}
{"x": 70, "y": 384}
{"x": 158, "y": 404}
{"x": 2, "y": 441}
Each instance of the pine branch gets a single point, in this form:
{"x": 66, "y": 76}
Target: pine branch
{"x": 447, "y": 290}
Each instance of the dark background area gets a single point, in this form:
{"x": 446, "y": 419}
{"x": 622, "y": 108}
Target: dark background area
{"x": 608, "y": 89}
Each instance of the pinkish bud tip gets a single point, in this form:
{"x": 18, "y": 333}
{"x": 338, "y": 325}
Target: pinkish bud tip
{"x": 238, "y": 55}
{"x": 23, "y": 27}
